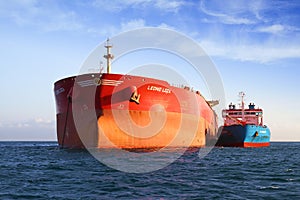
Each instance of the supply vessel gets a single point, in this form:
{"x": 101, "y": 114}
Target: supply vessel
{"x": 243, "y": 127}
{"x": 106, "y": 110}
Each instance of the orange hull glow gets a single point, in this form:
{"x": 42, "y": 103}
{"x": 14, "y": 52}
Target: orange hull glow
{"x": 122, "y": 111}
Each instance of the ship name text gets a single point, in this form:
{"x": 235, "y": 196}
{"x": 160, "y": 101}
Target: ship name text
{"x": 159, "y": 89}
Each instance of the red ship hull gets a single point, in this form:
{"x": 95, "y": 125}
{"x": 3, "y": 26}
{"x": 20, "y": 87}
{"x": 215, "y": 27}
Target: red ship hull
{"x": 247, "y": 144}
{"x": 123, "y": 111}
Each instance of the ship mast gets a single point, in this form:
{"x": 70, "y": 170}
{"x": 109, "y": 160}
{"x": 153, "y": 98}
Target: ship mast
{"x": 108, "y": 56}
{"x": 242, "y": 94}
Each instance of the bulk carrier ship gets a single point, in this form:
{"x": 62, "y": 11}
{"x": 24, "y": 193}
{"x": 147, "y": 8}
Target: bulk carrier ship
{"x": 106, "y": 110}
{"x": 243, "y": 127}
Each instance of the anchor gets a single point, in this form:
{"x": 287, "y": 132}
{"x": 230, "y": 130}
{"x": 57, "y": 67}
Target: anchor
{"x": 135, "y": 97}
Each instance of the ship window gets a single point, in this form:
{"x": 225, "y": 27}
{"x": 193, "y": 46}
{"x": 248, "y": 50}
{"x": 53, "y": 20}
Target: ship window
{"x": 235, "y": 113}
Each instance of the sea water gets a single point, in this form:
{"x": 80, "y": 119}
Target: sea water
{"x": 41, "y": 170}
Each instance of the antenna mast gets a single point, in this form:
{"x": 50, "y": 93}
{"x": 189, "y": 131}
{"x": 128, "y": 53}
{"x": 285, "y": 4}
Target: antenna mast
{"x": 242, "y": 94}
{"x": 108, "y": 56}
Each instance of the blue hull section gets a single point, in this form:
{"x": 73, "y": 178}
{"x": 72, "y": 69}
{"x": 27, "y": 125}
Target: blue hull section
{"x": 244, "y": 136}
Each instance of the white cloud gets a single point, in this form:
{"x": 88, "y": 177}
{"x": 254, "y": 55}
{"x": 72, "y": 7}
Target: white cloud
{"x": 44, "y": 15}
{"x": 117, "y": 6}
{"x": 164, "y": 25}
{"x": 234, "y": 20}
{"x": 125, "y": 26}
{"x": 29, "y": 130}
{"x": 132, "y": 24}
{"x": 256, "y": 7}
{"x": 106, "y": 32}
{"x": 43, "y": 121}
{"x": 261, "y": 53}
{"x": 277, "y": 29}
{"x": 33, "y": 123}
{"x": 166, "y": 5}
{"x": 271, "y": 29}
{"x": 226, "y": 18}
{"x": 111, "y": 30}
{"x": 66, "y": 21}
{"x": 22, "y": 125}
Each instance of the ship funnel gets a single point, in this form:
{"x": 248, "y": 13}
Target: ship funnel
{"x": 251, "y": 106}
{"x": 108, "y": 56}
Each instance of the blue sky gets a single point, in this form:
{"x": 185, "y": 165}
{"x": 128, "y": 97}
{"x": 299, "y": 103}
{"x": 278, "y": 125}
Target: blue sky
{"x": 255, "y": 46}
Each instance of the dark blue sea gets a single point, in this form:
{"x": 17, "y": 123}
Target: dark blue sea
{"x": 41, "y": 170}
